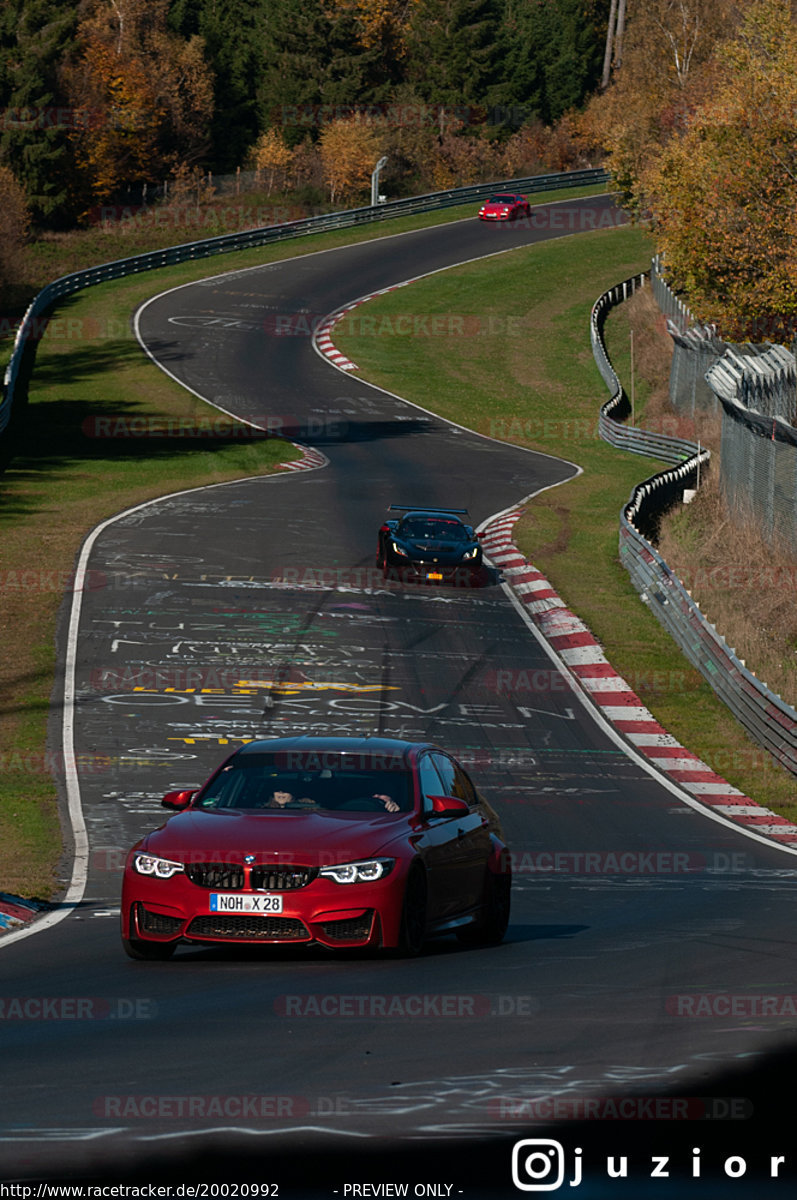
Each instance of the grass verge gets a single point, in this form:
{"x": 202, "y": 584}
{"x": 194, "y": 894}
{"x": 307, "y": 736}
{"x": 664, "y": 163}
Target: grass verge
{"x": 520, "y": 367}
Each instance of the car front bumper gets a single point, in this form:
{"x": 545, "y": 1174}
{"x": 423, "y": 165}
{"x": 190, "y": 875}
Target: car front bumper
{"x": 330, "y": 914}
{"x": 402, "y": 569}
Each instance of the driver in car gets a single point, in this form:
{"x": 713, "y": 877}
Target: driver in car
{"x": 288, "y": 800}
{"x": 281, "y": 799}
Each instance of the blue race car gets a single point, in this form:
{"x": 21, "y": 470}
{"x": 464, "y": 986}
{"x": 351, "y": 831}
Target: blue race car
{"x": 431, "y": 544}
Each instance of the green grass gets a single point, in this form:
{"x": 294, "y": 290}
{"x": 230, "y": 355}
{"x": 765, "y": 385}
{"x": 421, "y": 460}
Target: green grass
{"x": 512, "y": 359}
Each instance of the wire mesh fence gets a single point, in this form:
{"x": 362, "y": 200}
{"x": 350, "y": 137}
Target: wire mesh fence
{"x": 754, "y": 385}
{"x": 695, "y": 351}
{"x": 759, "y": 469}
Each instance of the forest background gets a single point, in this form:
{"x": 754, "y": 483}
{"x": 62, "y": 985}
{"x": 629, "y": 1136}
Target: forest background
{"x": 112, "y": 108}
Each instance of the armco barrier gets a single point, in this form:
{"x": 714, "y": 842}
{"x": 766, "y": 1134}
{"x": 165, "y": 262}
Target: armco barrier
{"x": 767, "y": 718}
{"x": 656, "y": 494}
{"x": 251, "y": 238}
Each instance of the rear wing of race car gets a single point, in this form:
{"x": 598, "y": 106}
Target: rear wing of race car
{"x": 423, "y": 508}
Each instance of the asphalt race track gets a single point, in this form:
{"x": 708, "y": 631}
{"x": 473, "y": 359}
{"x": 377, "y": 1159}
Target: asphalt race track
{"x": 655, "y": 964}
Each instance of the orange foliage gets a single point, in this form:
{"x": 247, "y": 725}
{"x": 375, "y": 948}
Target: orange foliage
{"x": 118, "y": 143}
{"x": 349, "y": 151}
{"x": 145, "y": 92}
{"x": 666, "y": 72}
{"x": 724, "y": 193}
{"x": 381, "y": 22}
{"x": 272, "y": 155}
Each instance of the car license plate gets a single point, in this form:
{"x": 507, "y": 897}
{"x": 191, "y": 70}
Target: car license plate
{"x": 234, "y": 902}
{"x": 434, "y": 574}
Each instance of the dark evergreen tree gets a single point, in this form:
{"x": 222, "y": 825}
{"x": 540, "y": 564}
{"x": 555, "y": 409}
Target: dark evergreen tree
{"x": 292, "y": 64}
{"x": 311, "y": 70}
{"x": 551, "y": 57}
{"x": 313, "y": 67}
{"x": 35, "y": 37}
{"x": 454, "y": 55}
{"x": 236, "y": 34}
{"x": 573, "y": 55}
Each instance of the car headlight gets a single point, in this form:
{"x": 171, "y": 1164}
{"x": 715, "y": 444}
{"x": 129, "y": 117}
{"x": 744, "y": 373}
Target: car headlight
{"x": 399, "y": 549}
{"x": 359, "y": 872}
{"x": 470, "y": 553}
{"x": 161, "y": 868}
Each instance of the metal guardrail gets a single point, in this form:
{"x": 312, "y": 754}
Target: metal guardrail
{"x": 66, "y": 285}
{"x": 766, "y": 717}
{"x": 763, "y": 714}
{"x": 627, "y": 437}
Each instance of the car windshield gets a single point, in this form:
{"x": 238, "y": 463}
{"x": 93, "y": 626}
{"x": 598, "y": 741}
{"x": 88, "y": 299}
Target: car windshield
{"x": 502, "y": 200}
{"x": 421, "y": 528}
{"x": 283, "y": 782}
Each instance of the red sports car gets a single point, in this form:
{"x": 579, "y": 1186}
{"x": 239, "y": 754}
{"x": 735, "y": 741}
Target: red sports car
{"x": 505, "y": 206}
{"x": 343, "y": 842}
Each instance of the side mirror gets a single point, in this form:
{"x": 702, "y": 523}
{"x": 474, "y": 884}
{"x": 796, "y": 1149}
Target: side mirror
{"x": 179, "y": 799}
{"x": 448, "y": 806}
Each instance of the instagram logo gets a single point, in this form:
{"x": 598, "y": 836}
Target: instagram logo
{"x": 538, "y": 1165}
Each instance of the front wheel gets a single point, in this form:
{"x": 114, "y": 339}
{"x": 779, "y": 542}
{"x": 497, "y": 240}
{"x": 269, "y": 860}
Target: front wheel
{"x": 492, "y": 925}
{"x": 147, "y": 951}
{"x": 413, "y": 915}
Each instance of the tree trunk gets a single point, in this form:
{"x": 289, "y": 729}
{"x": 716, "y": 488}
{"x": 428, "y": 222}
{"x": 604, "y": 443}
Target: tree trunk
{"x": 618, "y": 36}
{"x": 607, "y": 57}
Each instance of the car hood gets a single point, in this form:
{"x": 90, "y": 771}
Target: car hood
{"x": 306, "y": 838}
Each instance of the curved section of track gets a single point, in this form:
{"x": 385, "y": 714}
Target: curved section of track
{"x": 255, "y": 609}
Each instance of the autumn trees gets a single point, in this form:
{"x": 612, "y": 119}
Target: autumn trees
{"x": 693, "y": 110}
{"x": 107, "y": 95}
{"x": 724, "y": 193}
{"x": 702, "y": 137}
{"x": 95, "y": 97}
{"x": 145, "y": 93}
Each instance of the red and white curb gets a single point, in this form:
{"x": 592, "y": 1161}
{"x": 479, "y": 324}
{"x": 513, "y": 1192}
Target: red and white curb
{"x": 15, "y": 912}
{"x": 582, "y": 654}
{"x": 311, "y": 458}
{"x": 325, "y": 345}
{"x": 323, "y": 336}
